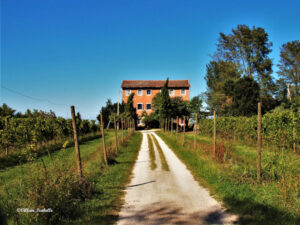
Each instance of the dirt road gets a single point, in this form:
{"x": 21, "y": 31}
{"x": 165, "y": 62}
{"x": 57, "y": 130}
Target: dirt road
{"x": 160, "y": 196}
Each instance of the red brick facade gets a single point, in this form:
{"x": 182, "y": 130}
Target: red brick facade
{"x": 144, "y": 91}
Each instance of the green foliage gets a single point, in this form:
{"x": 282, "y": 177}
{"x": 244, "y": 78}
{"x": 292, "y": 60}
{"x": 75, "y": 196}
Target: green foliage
{"x": 248, "y": 49}
{"x": 6, "y": 111}
{"x": 55, "y": 188}
{"x": 25, "y": 138}
{"x": 107, "y": 110}
{"x": 217, "y": 74}
{"x": 245, "y": 96}
{"x": 129, "y": 109}
{"x": 289, "y": 68}
{"x": 277, "y": 128}
{"x": 164, "y": 105}
{"x": 151, "y": 120}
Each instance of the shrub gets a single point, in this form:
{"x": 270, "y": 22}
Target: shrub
{"x": 56, "y": 188}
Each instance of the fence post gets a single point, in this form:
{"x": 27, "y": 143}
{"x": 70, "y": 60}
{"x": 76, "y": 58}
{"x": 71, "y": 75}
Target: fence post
{"x": 77, "y": 150}
{"x": 259, "y": 144}
{"x": 294, "y": 133}
{"x": 177, "y": 125}
{"x": 6, "y": 128}
{"x": 183, "y": 130}
{"x": 215, "y": 135}
{"x": 171, "y": 126}
{"x": 116, "y": 133}
{"x": 103, "y": 140}
{"x": 122, "y": 125}
{"x": 195, "y": 137}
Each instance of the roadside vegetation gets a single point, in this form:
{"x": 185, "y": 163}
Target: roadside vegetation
{"x": 67, "y": 188}
{"x": 231, "y": 177}
{"x": 151, "y": 153}
{"x": 51, "y": 182}
{"x": 163, "y": 160}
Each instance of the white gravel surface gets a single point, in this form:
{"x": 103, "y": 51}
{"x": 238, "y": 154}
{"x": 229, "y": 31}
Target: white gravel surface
{"x": 168, "y": 197}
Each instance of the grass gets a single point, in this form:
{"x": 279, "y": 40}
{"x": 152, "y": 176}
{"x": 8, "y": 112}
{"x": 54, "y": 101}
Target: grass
{"x": 275, "y": 201}
{"x": 151, "y": 153}
{"x": 105, "y": 204}
{"x": 18, "y": 156}
{"x": 62, "y": 163}
{"x": 163, "y": 160}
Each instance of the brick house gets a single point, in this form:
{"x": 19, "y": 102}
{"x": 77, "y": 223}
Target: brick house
{"x": 145, "y": 90}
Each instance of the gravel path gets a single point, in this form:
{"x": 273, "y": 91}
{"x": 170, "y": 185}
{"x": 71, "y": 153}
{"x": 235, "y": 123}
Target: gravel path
{"x": 168, "y": 197}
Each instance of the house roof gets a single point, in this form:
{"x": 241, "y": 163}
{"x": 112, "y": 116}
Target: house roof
{"x": 155, "y": 84}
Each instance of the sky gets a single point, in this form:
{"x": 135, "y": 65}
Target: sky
{"x": 57, "y": 53}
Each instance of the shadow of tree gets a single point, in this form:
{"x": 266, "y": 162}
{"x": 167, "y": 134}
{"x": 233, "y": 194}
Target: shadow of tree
{"x": 264, "y": 214}
{"x": 168, "y": 213}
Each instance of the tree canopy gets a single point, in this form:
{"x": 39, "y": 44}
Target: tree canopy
{"x": 249, "y": 49}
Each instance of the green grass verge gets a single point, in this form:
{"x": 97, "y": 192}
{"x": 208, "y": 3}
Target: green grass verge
{"x": 109, "y": 185}
{"x": 151, "y": 153}
{"x": 255, "y": 204}
{"x": 163, "y": 160}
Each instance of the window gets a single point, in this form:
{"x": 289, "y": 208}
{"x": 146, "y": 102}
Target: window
{"x": 171, "y": 91}
{"x": 127, "y": 92}
{"x": 148, "y": 106}
{"x": 149, "y": 92}
{"x": 182, "y": 91}
{"x": 140, "y": 92}
{"x": 140, "y": 106}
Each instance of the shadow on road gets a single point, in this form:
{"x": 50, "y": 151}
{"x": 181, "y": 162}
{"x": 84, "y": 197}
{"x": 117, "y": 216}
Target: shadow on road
{"x": 157, "y": 213}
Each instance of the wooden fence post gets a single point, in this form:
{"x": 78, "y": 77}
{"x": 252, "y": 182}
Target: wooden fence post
{"x": 215, "y": 135}
{"x": 77, "y": 150}
{"x": 6, "y": 128}
{"x": 171, "y": 126}
{"x": 116, "y": 133}
{"x": 166, "y": 125}
{"x": 294, "y": 133}
{"x": 195, "y": 127}
{"x": 177, "y": 124}
{"x": 122, "y": 125}
{"x": 183, "y": 131}
{"x": 259, "y": 144}
{"x": 103, "y": 140}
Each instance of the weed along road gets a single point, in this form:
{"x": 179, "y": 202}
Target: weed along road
{"x": 163, "y": 191}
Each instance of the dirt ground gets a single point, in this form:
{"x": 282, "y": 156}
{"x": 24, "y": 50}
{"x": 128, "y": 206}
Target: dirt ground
{"x": 168, "y": 197}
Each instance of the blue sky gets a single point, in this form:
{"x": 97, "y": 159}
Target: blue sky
{"x": 78, "y": 52}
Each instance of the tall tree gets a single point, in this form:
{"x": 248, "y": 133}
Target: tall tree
{"x": 165, "y": 102}
{"x": 217, "y": 74}
{"x": 289, "y": 68}
{"x": 6, "y": 111}
{"x": 129, "y": 109}
{"x": 249, "y": 49}
{"x": 244, "y": 95}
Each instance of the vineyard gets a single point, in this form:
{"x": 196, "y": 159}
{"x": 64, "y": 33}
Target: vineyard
{"x": 51, "y": 181}
{"x": 277, "y": 129}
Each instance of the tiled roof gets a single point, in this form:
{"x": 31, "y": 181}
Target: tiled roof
{"x": 154, "y": 83}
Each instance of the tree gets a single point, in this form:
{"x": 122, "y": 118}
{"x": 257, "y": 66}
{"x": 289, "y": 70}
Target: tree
{"x": 195, "y": 105}
{"x": 107, "y": 110}
{"x": 244, "y": 95}
{"x": 6, "y": 111}
{"x": 249, "y": 49}
{"x": 179, "y": 108}
{"x": 289, "y": 68}
{"x": 217, "y": 74}
{"x": 165, "y": 101}
{"x": 129, "y": 109}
